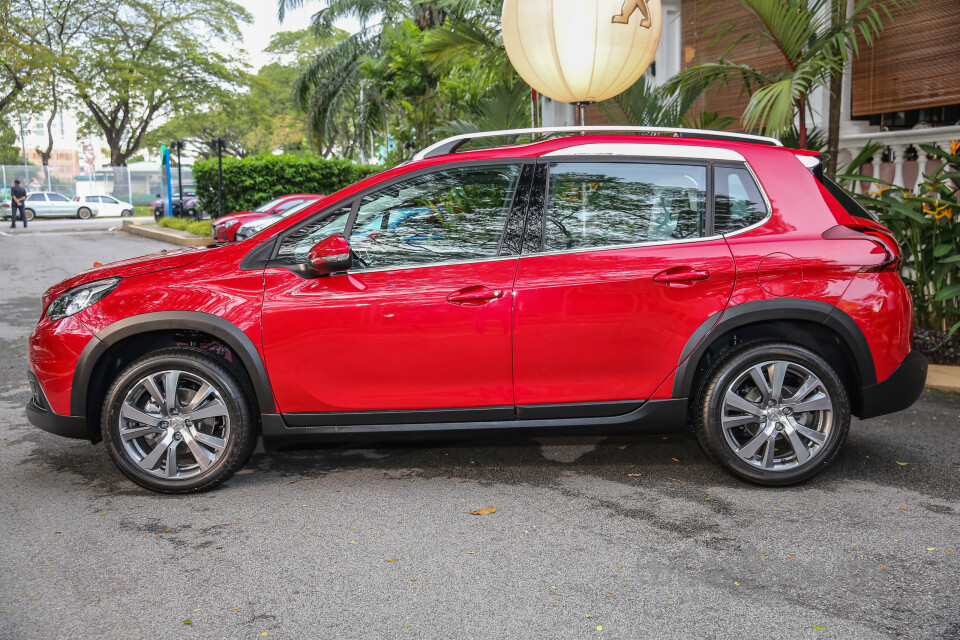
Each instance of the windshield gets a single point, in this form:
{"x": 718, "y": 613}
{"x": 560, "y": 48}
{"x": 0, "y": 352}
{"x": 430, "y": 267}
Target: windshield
{"x": 266, "y": 207}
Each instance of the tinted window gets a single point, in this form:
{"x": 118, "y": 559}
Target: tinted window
{"x": 737, "y": 200}
{"x": 36, "y": 197}
{"x": 267, "y": 206}
{"x": 846, "y": 200}
{"x": 297, "y": 245}
{"x": 455, "y": 214}
{"x": 107, "y": 200}
{"x": 595, "y": 204}
{"x": 56, "y": 197}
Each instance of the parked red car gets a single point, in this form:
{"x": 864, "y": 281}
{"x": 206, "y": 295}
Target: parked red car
{"x": 225, "y": 228}
{"x": 708, "y": 283}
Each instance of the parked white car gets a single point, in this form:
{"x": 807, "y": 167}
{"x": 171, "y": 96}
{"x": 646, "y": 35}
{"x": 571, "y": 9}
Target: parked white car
{"x": 108, "y": 205}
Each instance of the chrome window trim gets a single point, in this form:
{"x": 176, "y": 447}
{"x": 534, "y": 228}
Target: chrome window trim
{"x": 449, "y": 263}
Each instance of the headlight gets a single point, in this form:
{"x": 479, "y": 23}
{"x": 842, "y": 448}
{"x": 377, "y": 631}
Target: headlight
{"x": 79, "y": 298}
{"x": 227, "y": 225}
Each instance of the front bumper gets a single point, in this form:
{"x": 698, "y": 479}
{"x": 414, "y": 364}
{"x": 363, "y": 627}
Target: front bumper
{"x": 43, "y": 417}
{"x": 900, "y": 390}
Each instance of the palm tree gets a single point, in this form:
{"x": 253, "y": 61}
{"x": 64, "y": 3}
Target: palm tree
{"x": 331, "y": 89}
{"x": 648, "y": 105}
{"x": 814, "y": 44}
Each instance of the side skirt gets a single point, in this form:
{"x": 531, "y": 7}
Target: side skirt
{"x": 652, "y": 417}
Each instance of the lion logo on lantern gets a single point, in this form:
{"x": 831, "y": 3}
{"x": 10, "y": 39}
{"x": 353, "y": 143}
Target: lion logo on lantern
{"x": 629, "y": 8}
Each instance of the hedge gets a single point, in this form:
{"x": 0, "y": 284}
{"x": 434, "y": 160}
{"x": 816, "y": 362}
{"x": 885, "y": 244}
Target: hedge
{"x": 250, "y": 182}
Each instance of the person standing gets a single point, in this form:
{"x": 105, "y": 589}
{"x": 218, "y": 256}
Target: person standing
{"x": 17, "y": 195}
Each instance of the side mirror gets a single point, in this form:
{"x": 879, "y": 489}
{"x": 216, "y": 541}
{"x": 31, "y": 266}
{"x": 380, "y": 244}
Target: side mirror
{"x": 330, "y": 255}
{"x": 159, "y": 196}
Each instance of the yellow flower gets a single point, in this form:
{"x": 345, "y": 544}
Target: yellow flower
{"x": 954, "y": 147}
{"x": 939, "y": 212}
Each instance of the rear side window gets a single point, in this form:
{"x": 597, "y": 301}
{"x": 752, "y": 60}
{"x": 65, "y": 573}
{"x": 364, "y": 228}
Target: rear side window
{"x": 841, "y": 195}
{"x": 599, "y": 204}
{"x": 737, "y": 200}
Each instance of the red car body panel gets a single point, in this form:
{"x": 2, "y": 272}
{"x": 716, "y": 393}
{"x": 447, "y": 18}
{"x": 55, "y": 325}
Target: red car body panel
{"x": 225, "y": 227}
{"x": 389, "y": 339}
{"x": 582, "y": 321}
{"x": 580, "y": 326}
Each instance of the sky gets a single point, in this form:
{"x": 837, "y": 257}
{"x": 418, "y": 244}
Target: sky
{"x": 256, "y": 35}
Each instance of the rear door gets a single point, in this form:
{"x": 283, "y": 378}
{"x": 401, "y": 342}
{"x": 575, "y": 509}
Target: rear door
{"x": 621, "y": 270}
{"x": 37, "y": 202}
{"x": 62, "y": 206}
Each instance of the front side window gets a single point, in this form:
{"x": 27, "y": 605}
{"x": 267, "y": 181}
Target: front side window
{"x": 267, "y": 206}
{"x": 737, "y": 200}
{"x": 56, "y": 197}
{"x": 453, "y": 214}
{"x": 36, "y": 197}
{"x": 286, "y": 205}
{"x": 107, "y": 200}
{"x": 296, "y": 246}
{"x": 600, "y": 204}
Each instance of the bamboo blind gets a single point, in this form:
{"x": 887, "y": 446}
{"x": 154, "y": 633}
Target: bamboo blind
{"x": 700, "y": 45}
{"x": 915, "y": 62}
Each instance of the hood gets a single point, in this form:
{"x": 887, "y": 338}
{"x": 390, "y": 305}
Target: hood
{"x": 129, "y": 268}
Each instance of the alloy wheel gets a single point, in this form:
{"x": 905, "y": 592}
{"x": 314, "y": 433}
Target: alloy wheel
{"x": 174, "y": 424}
{"x": 777, "y": 415}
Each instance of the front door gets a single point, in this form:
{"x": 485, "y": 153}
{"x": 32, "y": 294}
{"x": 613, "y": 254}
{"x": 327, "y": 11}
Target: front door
{"x": 625, "y": 274}
{"x": 422, "y": 320}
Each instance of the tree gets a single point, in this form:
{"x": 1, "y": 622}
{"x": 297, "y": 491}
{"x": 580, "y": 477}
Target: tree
{"x": 9, "y": 145}
{"x": 655, "y": 106}
{"x": 145, "y": 59}
{"x": 813, "y": 43}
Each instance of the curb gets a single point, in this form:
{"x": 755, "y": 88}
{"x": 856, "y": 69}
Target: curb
{"x": 943, "y": 377}
{"x": 179, "y": 238}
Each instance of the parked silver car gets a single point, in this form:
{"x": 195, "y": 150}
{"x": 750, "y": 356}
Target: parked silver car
{"x": 48, "y": 204}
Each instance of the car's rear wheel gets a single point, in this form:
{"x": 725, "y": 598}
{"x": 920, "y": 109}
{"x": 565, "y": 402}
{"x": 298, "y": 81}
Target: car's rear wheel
{"x": 30, "y": 214}
{"x": 83, "y": 213}
{"x": 773, "y": 413}
{"x": 178, "y": 420}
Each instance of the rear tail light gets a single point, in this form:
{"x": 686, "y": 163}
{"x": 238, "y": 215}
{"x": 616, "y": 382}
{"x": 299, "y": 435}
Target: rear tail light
{"x": 879, "y": 235}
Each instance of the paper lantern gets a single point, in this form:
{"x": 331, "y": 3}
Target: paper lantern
{"x": 581, "y": 50}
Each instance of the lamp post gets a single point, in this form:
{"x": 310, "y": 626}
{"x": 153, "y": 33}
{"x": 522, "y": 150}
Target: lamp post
{"x": 220, "y": 144}
{"x": 581, "y": 52}
{"x": 179, "y": 145}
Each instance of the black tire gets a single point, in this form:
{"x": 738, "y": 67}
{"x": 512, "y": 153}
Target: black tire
{"x": 30, "y": 214}
{"x": 774, "y": 429}
{"x": 237, "y": 433}
{"x": 192, "y": 213}
{"x": 126, "y": 213}
{"x": 83, "y": 213}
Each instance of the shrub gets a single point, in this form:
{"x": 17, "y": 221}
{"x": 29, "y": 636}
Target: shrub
{"x": 927, "y": 225}
{"x": 250, "y": 182}
{"x": 196, "y": 227}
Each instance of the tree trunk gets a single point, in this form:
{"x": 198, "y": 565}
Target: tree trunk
{"x": 802, "y": 127}
{"x": 837, "y": 9}
{"x": 46, "y": 153}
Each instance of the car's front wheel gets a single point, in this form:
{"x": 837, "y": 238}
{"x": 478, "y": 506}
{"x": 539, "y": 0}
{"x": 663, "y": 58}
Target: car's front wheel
{"x": 773, "y": 413}
{"x": 83, "y": 213}
{"x": 178, "y": 420}
{"x": 126, "y": 213}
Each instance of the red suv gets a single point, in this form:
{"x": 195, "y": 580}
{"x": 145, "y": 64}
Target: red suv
{"x": 224, "y": 229}
{"x": 710, "y": 283}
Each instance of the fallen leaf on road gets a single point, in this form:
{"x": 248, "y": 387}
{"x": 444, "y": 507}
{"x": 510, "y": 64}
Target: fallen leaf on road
{"x": 483, "y": 512}
{"x": 674, "y": 459}
{"x": 97, "y": 264}
{"x": 187, "y": 621}
{"x": 819, "y": 628}
{"x": 623, "y": 446}
{"x": 634, "y": 475}
{"x": 393, "y": 560}
{"x": 931, "y": 548}
{"x": 902, "y": 464}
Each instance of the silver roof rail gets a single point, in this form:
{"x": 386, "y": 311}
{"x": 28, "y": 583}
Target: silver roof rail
{"x": 450, "y": 145}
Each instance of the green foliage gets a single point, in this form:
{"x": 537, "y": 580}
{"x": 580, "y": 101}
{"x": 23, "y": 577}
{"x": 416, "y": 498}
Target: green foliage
{"x": 654, "y": 106}
{"x": 250, "y": 182}
{"x": 928, "y": 228}
{"x": 9, "y": 146}
{"x": 196, "y": 227}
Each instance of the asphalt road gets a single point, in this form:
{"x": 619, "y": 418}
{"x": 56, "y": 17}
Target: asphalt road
{"x": 626, "y": 537}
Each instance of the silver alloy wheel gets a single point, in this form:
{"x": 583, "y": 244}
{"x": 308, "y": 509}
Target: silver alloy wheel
{"x": 174, "y": 424}
{"x": 83, "y": 213}
{"x": 777, "y": 415}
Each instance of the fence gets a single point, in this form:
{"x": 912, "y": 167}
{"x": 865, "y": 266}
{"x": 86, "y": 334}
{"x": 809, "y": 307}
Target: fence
{"x": 139, "y": 184}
